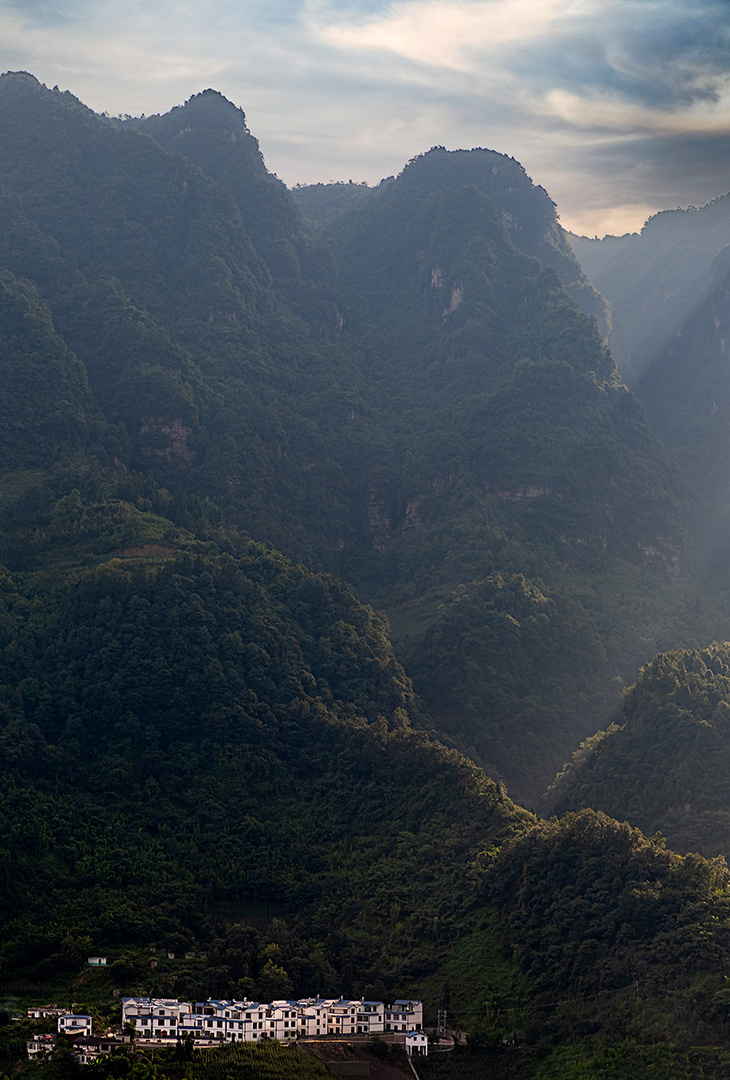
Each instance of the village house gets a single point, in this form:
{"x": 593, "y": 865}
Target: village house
{"x": 73, "y": 1024}
{"x": 312, "y": 1016}
{"x": 404, "y": 1015}
{"x": 371, "y": 1018}
{"x": 43, "y": 1012}
{"x": 40, "y": 1045}
{"x": 342, "y": 1017}
{"x": 416, "y": 1043}
{"x": 88, "y": 1048}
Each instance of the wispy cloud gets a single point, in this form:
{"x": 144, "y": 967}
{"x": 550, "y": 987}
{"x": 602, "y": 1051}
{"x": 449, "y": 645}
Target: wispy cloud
{"x": 442, "y": 33}
{"x": 615, "y": 106}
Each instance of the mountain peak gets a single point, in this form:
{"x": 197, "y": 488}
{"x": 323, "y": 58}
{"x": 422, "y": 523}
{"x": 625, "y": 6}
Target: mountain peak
{"x": 209, "y": 110}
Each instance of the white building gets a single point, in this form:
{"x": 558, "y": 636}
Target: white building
{"x": 43, "y": 1012}
{"x": 416, "y": 1043}
{"x": 415, "y": 1008}
{"x": 40, "y": 1045}
{"x": 165, "y": 1019}
{"x": 282, "y": 1020}
{"x": 312, "y": 1016}
{"x": 154, "y": 1018}
{"x": 404, "y": 1015}
{"x": 75, "y": 1025}
{"x": 371, "y": 1018}
{"x": 342, "y": 1017}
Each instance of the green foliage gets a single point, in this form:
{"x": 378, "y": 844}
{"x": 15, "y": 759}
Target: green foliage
{"x": 211, "y": 751}
{"x": 202, "y": 730}
{"x": 251, "y": 1062}
{"x": 665, "y": 768}
{"x": 611, "y": 926}
{"x": 413, "y": 404}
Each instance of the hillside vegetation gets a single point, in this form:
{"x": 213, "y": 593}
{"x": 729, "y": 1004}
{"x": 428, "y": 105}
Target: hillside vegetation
{"x": 665, "y": 767}
{"x": 321, "y": 544}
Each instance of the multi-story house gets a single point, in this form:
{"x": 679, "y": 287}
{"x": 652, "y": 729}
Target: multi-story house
{"x": 40, "y": 1044}
{"x": 371, "y": 1018}
{"x": 45, "y": 1012}
{"x": 312, "y": 1016}
{"x": 414, "y": 1009}
{"x": 154, "y": 1018}
{"x": 74, "y": 1024}
{"x": 282, "y": 1020}
{"x": 342, "y": 1017}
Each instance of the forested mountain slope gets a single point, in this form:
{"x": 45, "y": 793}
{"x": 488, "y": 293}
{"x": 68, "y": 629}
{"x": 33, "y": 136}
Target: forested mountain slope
{"x": 211, "y": 381}
{"x": 190, "y": 734}
{"x": 668, "y": 288}
{"x": 206, "y": 747}
{"x": 439, "y": 417}
{"x": 511, "y": 449}
{"x": 666, "y": 766}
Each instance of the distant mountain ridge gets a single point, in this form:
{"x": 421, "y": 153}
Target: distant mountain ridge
{"x": 653, "y": 279}
{"x": 668, "y": 289}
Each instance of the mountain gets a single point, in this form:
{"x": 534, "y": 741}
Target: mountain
{"x": 323, "y": 203}
{"x": 664, "y": 767}
{"x": 187, "y": 734}
{"x": 668, "y": 289}
{"x": 686, "y": 393}
{"x": 654, "y": 279}
{"x": 209, "y": 378}
{"x": 411, "y": 401}
{"x": 512, "y": 449}
{"x": 527, "y": 211}
{"x": 232, "y": 439}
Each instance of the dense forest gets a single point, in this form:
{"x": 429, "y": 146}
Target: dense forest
{"x": 328, "y": 530}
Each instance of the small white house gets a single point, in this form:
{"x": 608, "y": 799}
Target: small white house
{"x": 44, "y": 1012}
{"x": 97, "y": 961}
{"x": 40, "y": 1044}
{"x": 75, "y": 1025}
{"x": 416, "y": 1043}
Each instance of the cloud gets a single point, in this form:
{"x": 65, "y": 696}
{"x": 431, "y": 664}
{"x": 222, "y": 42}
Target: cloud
{"x": 443, "y": 33}
{"x": 610, "y": 104}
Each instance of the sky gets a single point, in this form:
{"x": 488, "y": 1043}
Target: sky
{"x": 619, "y": 108}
